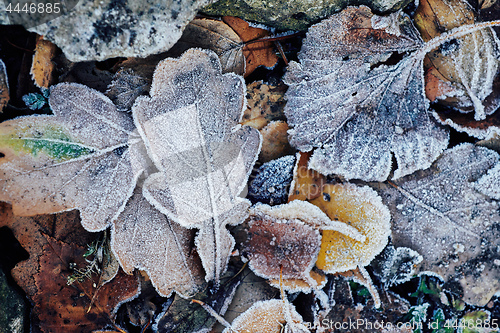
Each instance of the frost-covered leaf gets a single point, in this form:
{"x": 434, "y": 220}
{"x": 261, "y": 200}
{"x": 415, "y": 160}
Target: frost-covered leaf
{"x": 489, "y": 184}
{"x": 287, "y": 248}
{"x": 190, "y": 128}
{"x": 468, "y": 64}
{"x": 284, "y": 241}
{"x": 359, "y": 208}
{"x": 271, "y": 316}
{"x": 126, "y": 87}
{"x": 4, "y": 86}
{"x": 36, "y": 101}
{"x": 271, "y": 184}
{"x": 439, "y": 213}
{"x": 396, "y": 265}
{"x": 78, "y": 158}
{"x": 144, "y": 238}
{"x": 356, "y": 109}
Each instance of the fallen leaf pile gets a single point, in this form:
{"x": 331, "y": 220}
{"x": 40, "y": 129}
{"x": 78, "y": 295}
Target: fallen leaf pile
{"x": 173, "y": 194}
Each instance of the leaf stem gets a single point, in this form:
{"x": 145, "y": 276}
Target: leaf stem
{"x": 456, "y": 33}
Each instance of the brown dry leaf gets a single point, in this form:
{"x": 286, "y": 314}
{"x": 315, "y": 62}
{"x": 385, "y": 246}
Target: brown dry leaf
{"x": 467, "y": 64}
{"x": 227, "y": 39}
{"x": 4, "y": 86}
{"x": 307, "y": 183}
{"x": 28, "y": 231}
{"x": 442, "y": 214}
{"x": 44, "y": 276}
{"x": 345, "y": 100}
{"x": 42, "y": 68}
{"x": 274, "y": 141}
{"x": 80, "y": 307}
{"x": 256, "y": 54}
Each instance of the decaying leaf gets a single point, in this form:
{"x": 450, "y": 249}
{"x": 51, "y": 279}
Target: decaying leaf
{"x": 251, "y": 290}
{"x": 345, "y": 100}
{"x": 79, "y": 307}
{"x": 144, "y": 238}
{"x": 30, "y": 231}
{"x": 271, "y": 184}
{"x": 227, "y": 38}
{"x": 78, "y": 158}
{"x": 439, "y": 213}
{"x": 189, "y": 127}
{"x": 273, "y": 316}
{"x": 361, "y": 209}
{"x": 467, "y": 65}
{"x": 42, "y": 68}
{"x": 4, "y": 86}
{"x": 265, "y": 103}
{"x": 307, "y": 183}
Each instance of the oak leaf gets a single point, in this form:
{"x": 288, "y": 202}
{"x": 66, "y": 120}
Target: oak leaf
{"x": 356, "y": 109}
{"x": 190, "y": 128}
{"x": 439, "y": 213}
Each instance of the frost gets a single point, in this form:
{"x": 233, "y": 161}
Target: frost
{"x": 489, "y": 184}
{"x": 357, "y": 110}
{"x": 78, "y": 158}
{"x": 396, "y": 265}
{"x": 190, "y": 128}
{"x": 287, "y": 248}
{"x": 272, "y": 182}
{"x": 273, "y": 316}
{"x": 144, "y": 238}
{"x": 359, "y": 208}
{"x": 441, "y": 209}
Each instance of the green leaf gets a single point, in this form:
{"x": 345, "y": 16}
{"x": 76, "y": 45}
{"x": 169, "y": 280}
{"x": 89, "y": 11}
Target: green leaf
{"x": 47, "y": 139}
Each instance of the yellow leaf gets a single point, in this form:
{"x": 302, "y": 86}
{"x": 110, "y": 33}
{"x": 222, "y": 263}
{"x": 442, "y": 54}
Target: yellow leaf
{"x": 361, "y": 208}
